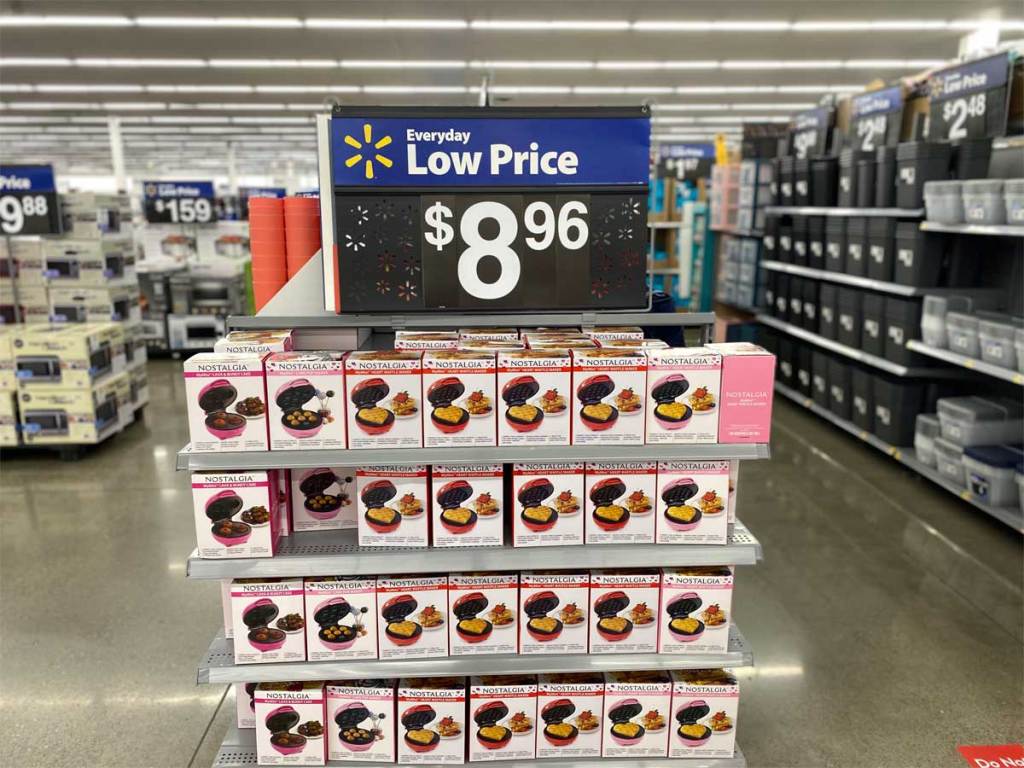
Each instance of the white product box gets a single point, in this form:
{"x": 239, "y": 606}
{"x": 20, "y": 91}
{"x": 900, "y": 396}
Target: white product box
{"x": 414, "y": 617}
{"x": 306, "y": 397}
{"x": 290, "y": 724}
{"x": 734, "y": 484}
{"x": 692, "y": 501}
{"x": 570, "y": 707}
{"x": 341, "y": 618}
{"x": 394, "y": 506}
{"x": 384, "y": 393}
{"x": 645, "y": 344}
{"x": 323, "y": 499}
{"x": 469, "y": 505}
{"x": 609, "y": 386}
{"x": 69, "y": 261}
{"x": 536, "y": 387}
{"x": 361, "y": 720}
{"x": 705, "y": 708}
{"x": 483, "y": 608}
{"x": 426, "y": 340}
{"x": 261, "y": 342}
{"x": 8, "y": 417}
{"x": 459, "y": 389}
{"x": 549, "y": 509}
{"x": 504, "y": 711}
{"x": 488, "y": 334}
{"x": 620, "y": 502}
{"x": 683, "y": 388}
{"x": 553, "y": 608}
{"x": 245, "y": 705}
{"x": 636, "y": 709}
{"x": 696, "y": 609}
{"x": 267, "y": 616}
{"x": 494, "y": 346}
{"x": 432, "y": 721}
{"x": 90, "y": 304}
{"x": 235, "y": 514}
{"x": 564, "y": 343}
{"x": 227, "y": 402}
{"x": 624, "y": 611}
{"x": 603, "y": 333}
{"x": 8, "y": 380}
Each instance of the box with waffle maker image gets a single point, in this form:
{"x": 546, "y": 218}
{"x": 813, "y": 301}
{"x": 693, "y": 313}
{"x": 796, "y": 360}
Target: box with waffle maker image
{"x": 393, "y": 508}
{"x": 570, "y": 707}
{"x": 636, "y": 707}
{"x": 432, "y": 720}
{"x": 384, "y": 399}
{"x": 696, "y": 609}
{"x": 459, "y": 387}
{"x": 469, "y": 505}
{"x": 482, "y": 608}
{"x": 620, "y": 502}
{"x": 413, "y": 617}
{"x": 553, "y": 611}
{"x": 535, "y": 387}
{"x": 609, "y": 388}
{"x": 549, "y": 504}
{"x": 705, "y": 707}
{"x": 692, "y": 502}
{"x": 503, "y": 709}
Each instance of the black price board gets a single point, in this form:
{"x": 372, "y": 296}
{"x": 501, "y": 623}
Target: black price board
{"x": 969, "y": 101}
{"x": 809, "y": 133}
{"x": 876, "y": 119}
{"x": 28, "y": 201}
{"x": 179, "y": 202}
{"x": 688, "y": 161}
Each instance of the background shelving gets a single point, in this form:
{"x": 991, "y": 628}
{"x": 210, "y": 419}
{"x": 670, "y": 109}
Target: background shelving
{"x": 970, "y": 363}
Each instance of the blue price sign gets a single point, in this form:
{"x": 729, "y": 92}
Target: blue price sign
{"x": 28, "y": 200}
{"x": 178, "y": 202}
{"x": 969, "y": 101}
{"x": 877, "y": 118}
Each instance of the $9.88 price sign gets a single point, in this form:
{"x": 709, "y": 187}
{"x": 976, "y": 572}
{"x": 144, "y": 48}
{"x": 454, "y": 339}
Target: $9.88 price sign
{"x": 28, "y": 201}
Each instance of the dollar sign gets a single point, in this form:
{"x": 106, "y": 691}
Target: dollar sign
{"x": 443, "y": 233}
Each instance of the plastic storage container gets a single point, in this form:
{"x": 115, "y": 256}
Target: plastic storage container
{"x": 795, "y": 312}
{"x": 897, "y": 403}
{"x": 800, "y": 240}
{"x": 949, "y": 460}
{"x": 926, "y": 429}
{"x": 916, "y": 163}
{"x": 816, "y": 242}
{"x": 848, "y": 319}
{"x": 972, "y": 420}
{"x": 997, "y": 338}
{"x": 971, "y": 158}
{"x": 811, "y": 290}
{"x": 786, "y": 368}
{"x": 943, "y": 202}
{"x": 990, "y": 473}
{"x": 847, "y": 185}
{"x": 885, "y": 177}
{"x": 784, "y": 247}
{"x": 872, "y": 337}
{"x": 962, "y": 334}
{"x": 839, "y": 394}
{"x": 803, "y": 369}
{"x": 769, "y": 241}
{"x": 782, "y": 296}
{"x": 835, "y": 243}
{"x": 786, "y": 180}
{"x": 865, "y": 180}
{"x": 802, "y": 181}
{"x": 862, "y": 410}
{"x": 983, "y": 201}
{"x": 856, "y": 246}
{"x": 902, "y": 323}
{"x": 828, "y": 310}
{"x": 918, "y": 256}
{"x": 824, "y": 177}
{"x": 1013, "y": 197}
{"x": 1018, "y": 346}
{"x": 881, "y": 247}
{"x": 819, "y": 377}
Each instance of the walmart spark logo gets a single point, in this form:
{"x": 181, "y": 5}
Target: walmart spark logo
{"x": 368, "y": 145}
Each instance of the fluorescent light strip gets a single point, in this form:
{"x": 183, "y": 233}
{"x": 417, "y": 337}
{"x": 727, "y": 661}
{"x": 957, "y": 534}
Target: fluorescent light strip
{"x": 318, "y": 23}
{"x": 23, "y": 20}
{"x": 711, "y": 26}
{"x": 418, "y": 89}
{"x": 515, "y": 90}
{"x": 657, "y": 65}
{"x": 273, "y": 63}
{"x": 516, "y": 25}
{"x": 399, "y": 64}
{"x": 200, "y": 89}
{"x": 265, "y": 22}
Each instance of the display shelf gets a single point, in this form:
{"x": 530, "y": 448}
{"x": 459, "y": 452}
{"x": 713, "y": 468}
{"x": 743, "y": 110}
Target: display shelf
{"x": 1010, "y": 516}
{"x": 970, "y": 363}
{"x": 812, "y": 210}
{"x": 844, "y": 279}
{"x": 665, "y": 224}
{"x": 993, "y": 230}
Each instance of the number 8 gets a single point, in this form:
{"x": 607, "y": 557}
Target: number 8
{"x": 500, "y": 248}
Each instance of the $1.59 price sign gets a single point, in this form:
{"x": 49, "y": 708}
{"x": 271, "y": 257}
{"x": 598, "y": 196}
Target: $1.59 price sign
{"x": 178, "y": 202}
{"x": 969, "y": 101}
{"x": 28, "y": 201}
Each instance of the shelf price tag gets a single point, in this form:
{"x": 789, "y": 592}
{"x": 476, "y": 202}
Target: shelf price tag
{"x": 809, "y": 132}
{"x": 688, "y": 161}
{"x": 178, "y": 202}
{"x": 28, "y": 201}
{"x": 969, "y": 101}
{"x": 877, "y": 118}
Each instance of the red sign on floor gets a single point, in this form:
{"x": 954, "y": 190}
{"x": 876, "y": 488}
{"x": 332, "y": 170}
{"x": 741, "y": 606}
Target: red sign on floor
{"x": 993, "y": 756}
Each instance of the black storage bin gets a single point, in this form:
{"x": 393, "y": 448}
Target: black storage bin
{"x": 847, "y": 186}
{"x": 881, "y": 247}
{"x": 885, "y": 177}
{"x": 816, "y": 242}
{"x": 803, "y": 368}
{"x": 770, "y": 240}
{"x": 971, "y": 158}
{"x": 782, "y": 296}
{"x": 773, "y": 185}
{"x": 819, "y": 377}
{"x": 796, "y": 300}
{"x": 897, "y": 403}
{"x": 902, "y": 323}
{"x": 848, "y": 318}
{"x": 918, "y": 259}
{"x": 916, "y": 163}
{"x": 799, "y": 253}
{"x": 802, "y": 181}
{"x": 828, "y": 310}
{"x": 856, "y": 261}
{"x": 784, "y": 247}
{"x": 872, "y": 337}
{"x": 786, "y": 180}
{"x": 786, "y": 368}
{"x": 839, "y": 395}
{"x": 835, "y": 243}
{"x": 865, "y": 197}
{"x": 824, "y": 177}
{"x": 771, "y": 286}
{"x": 862, "y": 407}
{"x": 810, "y": 304}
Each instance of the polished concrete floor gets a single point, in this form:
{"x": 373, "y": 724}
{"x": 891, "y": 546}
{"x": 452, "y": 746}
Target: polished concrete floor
{"x": 885, "y": 619}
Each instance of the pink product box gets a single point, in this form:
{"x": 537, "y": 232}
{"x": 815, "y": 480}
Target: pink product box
{"x": 341, "y": 618}
{"x": 384, "y": 397}
{"x": 284, "y": 501}
{"x": 535, "y": 387}
{"x": 734, "y": 484}
{"x": 236, "y": 514}
{"x": 748, "y": 379}
{"x": 553, "y": 607}
{"x": 609, "y": 386}
{"x": 705, "y": 708}
{"x": 394, "y": 506}
{"x": 693, "y": 501}
{"x": 245, "y": 704}
{"x": 683, "y": 392}
{"x": 620, "y": 502}
{"x": 483, "y": 608}
{"x": 260, "y": 343}
{"x": 432, "y": 721}
{"x": 268, "y": 620}
{"x": 361, "y": 720}
{"x": 504, "y": 712}
{"x": 323, "y": 499}
{"x": 285, "y": 718}
{"x": 476, "y": 489}
{"x": 227, "y": 402}
{"x": 488, "y": 334}
{"x": 426, "y": 340}
{"x": 569, "y": 708}
{"x": 460, "y": 391}
{"x": 696, "y": 609}
{"x": 414, "y": 618}
{"x": 549, "y": 504}
{"x": 307, "y": 400}
{"x": 613, "y": 333}
{"x": 624, "y": 611}
{"x": 636, "y": 714}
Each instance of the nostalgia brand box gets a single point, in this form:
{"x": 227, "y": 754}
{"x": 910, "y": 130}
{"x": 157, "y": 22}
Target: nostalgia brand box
{"x": 535, "y": 386}
{"x": 636, "y": 710}
{"x": 569, "y": 708}
{"x": 459, "y": 389}
{"x": 603, "y": 333}
{"x": 683, "y": 390}
{"x": 432, "y": 720}
{"x": 414, "y": 617}
{"x": 469, "y": 504}
{"x": 323, "y": 498}
{"x": 394, "y": 506}
{"x": 705, "y": 706}
{"x": 227, "y": 402}
{"x": 696, "y": 608}
{"x": 745, "y": 406}
{"x": 361, "y": 720}
{"x": 306, "y": 396}
{"x": 426, "y": 340}
{"x": 483, "y": 608}
{"x": 290, "y": 724}
{"x": 620, "y": 502}
{"x": 267, "y": 616}
{"x": 693, "y": 502}
{"x": 245, "y": 704}
{"x": 341, "y": 618}
{"x": 624, "y": 611}
{"x": 609, "y": 386}
{"x": 488, "y": 334}
{"x": 384, "y": 395}
{"x": 504, "y": 712}
{"x": 549, "y": 504}
{"x": 553, "y": 608}
{"x": 236, "y": 513}
{"x": 257, "y": 342}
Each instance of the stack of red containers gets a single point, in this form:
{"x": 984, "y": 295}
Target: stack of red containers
{"x": 267, "y": 245}
{"x": 302, "y": 230}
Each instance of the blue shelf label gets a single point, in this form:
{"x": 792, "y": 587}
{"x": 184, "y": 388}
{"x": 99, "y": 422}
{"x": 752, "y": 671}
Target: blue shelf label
{"x": 248, "y": 192}
{"x": 971, "y": 77}
{"x": 177, "y": 189}
{"x": 27, "y": 178}
{"x": 878, "y": 102}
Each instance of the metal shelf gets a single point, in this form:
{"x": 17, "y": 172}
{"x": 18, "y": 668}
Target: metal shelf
{"x": 839, "y": 277}
{"x": 811, "y": 210}
{"x": 979, "y": 366}
{"x": 218, "y": 665}
{"x": 1010, "y": 516}
{"x": 997, "y": 230}
{"x": 315, "y": 552}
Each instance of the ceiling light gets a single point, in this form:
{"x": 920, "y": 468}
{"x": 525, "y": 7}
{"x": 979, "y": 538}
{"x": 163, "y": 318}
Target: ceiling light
{"x": 598, "y": 89}
{"x": 817, "y": 88}
{"x": 514, "y": 90}
{"x": 146, "y": 105}
{"x": 711, "y": 26}
{"x": 398, "y": 64}
{"x": 744, "y": 119}
{"x": 49, "y": 105}
{"x": 532, "y": 64}
{"x": 192, "y": 119}
{"x": 233, "y": 107}
{"x": 689, "y": 107}
{"x": 34, "y": 61}
{"x": 891, "y": 63}
{"x": 639, "y": 65}
{"x": 780, "y": 64}
{"x": 274, "y": 63}
{"x": 199, "y": 88}
{"x": 87, "y": 88}
{"x": 672, "y": 120}
{"x": 23, "y": 20}
{"x": 122, "y": 62}
{"x": 267, "y": 22}
{"x": 386, "y": 23}
{"x": 307, "y": 89}
{"x": 548, "y": 26}
{"x": 648, "y": 89}
{"x": 15, "y": 88}
{"x": 918, "y": 25}
{"x": 415, "y": 89}
{"x": 271, "y": 120}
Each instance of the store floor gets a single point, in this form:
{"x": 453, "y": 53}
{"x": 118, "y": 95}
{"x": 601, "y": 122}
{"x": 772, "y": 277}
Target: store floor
{"x": 885, "y": 619}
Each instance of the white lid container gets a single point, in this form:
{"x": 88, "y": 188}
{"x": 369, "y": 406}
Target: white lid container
{"x": 973, "y": 420}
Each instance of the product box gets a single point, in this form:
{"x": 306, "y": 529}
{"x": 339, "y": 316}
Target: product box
{"x": 620, "y": 502}
{"x": 235, "y": 514}
{"x": 414, "y": 617}
{"x": 135, "y": 351}
{"x": 645, "y": 344}
{"x": 488, "y": 334}
{"x": 563, "y": 343}
{"x": 459, "y": 389}
{"x": 384, "y": 394}
{"x": 553, "y": 608}
{"x": 67, "y": 356}
{"x": 536, "y": 390}
{"x": 549, "y": 504}
{"x": 603, "y": 333}
{"x": 225, "y": 606}
{"x": 33, "y": 302}
{"x": 341, "y": 618}
{"x": 469, "y": 505}
{"x": 570, "y": 707}
{"x": 705, "y": 708}
{"x": 123, "y": 393}
{"x": 609, "y": 386}
{"x": 425, "y": 340}
{"x": 504, "y": 712}
{"x": 284, "y": 500}
{"x": 432, "y": 720}
{"x": 268, "y": 621}
{"x": 692, "y": 502}
{"x": 261, "y": 342}
{"x": 696, "y": 609}
{"x": 636, "y": 711}
{"x": 624, "y": 611}
{"x": 8, "y": 418}
{"x": 8, "y": 380}
{"x": 245, "y": 704}
{"x": 91, "y": 304}
{"x": 68, "y": 416}
{"x": 492, "y": 346}
{"x": 683, "y": 389}
{"x": 483, "y": 608}
{"x": 290, "y": 724}
{"x": 227, "y": 402}
{"x": 77, "y": 262}
{"x": 305, "y": 395}
{"x": 394, "y": 506}
{"x": 745, "y": 405}
{"x": 140, "y": 386}
{"x": 361, "y": 720}
{"x": 734, "y": 484}
{"x": 323, "y": 499}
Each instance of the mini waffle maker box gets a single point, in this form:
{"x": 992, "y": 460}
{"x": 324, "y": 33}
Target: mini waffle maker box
{"x": 535, "y": 387}
{"x": 603, "y": 333}
{"x": 609, "y": 386}
{"x": 307, "y": 402}
{"x": 683, "y": 389}
{"x": 413, "y": 613}
{"x": 553, "y": 608}
{"x": 394, "y": 506}
{"x": 268, "y": 621}
{"x": 384, "y": 397}
{"x": 745, "y": 406}
{"x": 236, "y": 513}
{"x": 432, "y": 720}
{"x": 488, "y": 334}
{"x": 361, "y": 720}
{"x": 227, "y": 402}
{"x": 569, "y": 710}
{"x": 323, "y": 498}
{"x": 693, "y": 502}
{"x": 503, "y": 709}
{"x": 290, "y": 724}
{"x": 696, "y": 609}
{"x": 255, "y": 342}
{"x": 624, "y": 611}
{"x": 548, "y": 504}
{"x": 482, "y": 608}
{"x": 636, "y": 714}
{"x": 469, "y": 505}
{"x": 425, "y": 340}
{"x": 705, "y": 706}
{"x": 245, "y": 704}
{"x": 620, "y": 502}
{"x": 459, "y": 390}
{"x": 341, "y": 618}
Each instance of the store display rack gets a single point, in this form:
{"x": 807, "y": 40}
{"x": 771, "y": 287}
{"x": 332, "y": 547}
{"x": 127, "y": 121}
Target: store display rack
{"x": 853, "y": 280}
{"x": 665, "y": 224}
{"x": 812, "y": 210}
{"x": 993, "y": 230}
{"x": 970, "y": 363}
{"x": 737, "y": 232}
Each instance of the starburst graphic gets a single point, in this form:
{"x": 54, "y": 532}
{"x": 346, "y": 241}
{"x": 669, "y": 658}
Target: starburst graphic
{"x": 386, "y": 261}
{"x": 407, "y": 291}
{"x": 354, "y": 243}
{"x": 367, "y": 145}
{"x": 360, "y": 215}
{"x": 383, "y": 287}
{"x": 599, "y": 288}
{"x": 410, "y": 265}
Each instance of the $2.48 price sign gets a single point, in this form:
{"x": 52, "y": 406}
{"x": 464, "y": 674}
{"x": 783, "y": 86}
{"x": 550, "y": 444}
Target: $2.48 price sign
{"x": 28, "y": 201}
